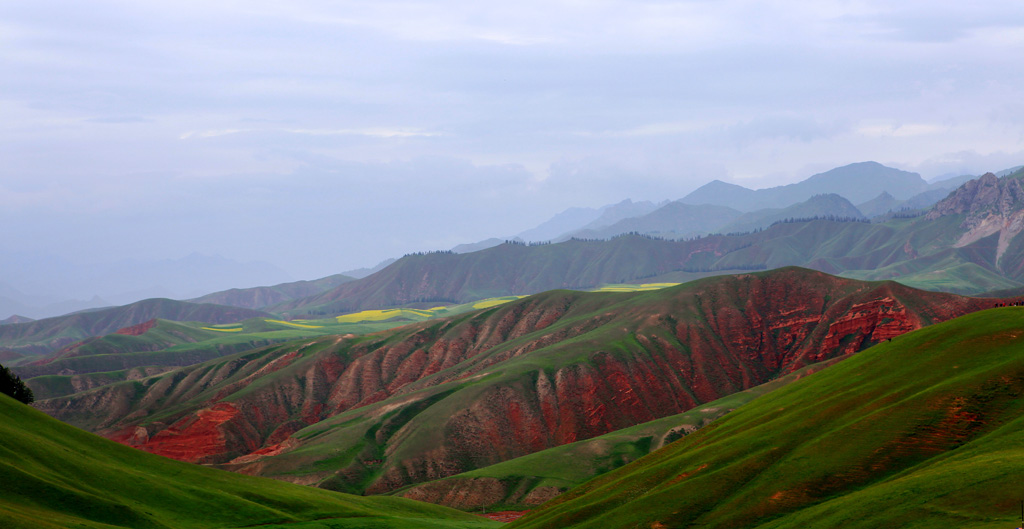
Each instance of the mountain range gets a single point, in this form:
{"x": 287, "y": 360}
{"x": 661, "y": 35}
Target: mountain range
{"x": 754, "y": 393}
{"x": 717, "y": 206}
{"x": 857, "y": 182}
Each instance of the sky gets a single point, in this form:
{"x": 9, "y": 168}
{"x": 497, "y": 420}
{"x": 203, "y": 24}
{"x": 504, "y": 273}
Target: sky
{"x": 321, "y": 136}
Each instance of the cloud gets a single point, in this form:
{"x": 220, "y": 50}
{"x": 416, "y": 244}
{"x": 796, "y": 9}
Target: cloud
{"x": 901, "y": 130}
{"x": 262, "y": 105}
{"x": 117, "y": 120}
{"x": 380, "y": 132}
{"x": 784, "y": 127}
{"x": 374, "y": 132}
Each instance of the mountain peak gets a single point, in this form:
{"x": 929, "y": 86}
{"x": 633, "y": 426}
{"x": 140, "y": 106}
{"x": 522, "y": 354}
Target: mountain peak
{"x": 991, "y": 205}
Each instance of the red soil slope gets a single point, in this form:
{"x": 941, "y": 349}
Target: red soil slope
{"x": 613, "y": 361}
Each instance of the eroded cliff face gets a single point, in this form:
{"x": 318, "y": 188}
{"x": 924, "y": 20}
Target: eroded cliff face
{"x": 542, "y": 372}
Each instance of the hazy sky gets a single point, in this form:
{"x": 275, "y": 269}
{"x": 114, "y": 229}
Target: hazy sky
{"x": 320, "y": 136}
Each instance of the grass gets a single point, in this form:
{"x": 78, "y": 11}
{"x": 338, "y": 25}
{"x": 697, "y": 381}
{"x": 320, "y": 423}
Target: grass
{"x": 55, "y": 476}
{"x": 923, "y": 432}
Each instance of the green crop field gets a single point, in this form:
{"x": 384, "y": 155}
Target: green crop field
{"x": 642, "y": 287}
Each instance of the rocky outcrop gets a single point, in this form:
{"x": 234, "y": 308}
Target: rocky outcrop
{"x": 979, "y": 198}
{"x": 990, "y": 205}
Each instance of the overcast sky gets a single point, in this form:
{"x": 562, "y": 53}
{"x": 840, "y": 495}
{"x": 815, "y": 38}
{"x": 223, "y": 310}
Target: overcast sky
{"x": 320, "y": 136}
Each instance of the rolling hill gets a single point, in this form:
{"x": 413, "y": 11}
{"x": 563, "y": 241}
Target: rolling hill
{"x": 49, "y": 334}
{"x": 56, "y": 476}
{"x": 923, "y": 431}
{"x": 377, "y": 412}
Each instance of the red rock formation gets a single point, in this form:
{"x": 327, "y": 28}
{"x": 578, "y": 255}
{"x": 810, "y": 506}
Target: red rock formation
{"x": 196, "y": 438}
{"x": 137, "y": 330}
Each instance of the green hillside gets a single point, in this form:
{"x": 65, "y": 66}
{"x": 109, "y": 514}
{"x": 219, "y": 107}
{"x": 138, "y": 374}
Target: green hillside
{"x": 56, "y": 476}
{"x": 924, "y": 431}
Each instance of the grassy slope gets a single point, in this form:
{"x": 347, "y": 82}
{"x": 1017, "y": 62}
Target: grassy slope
{"x": 924, "y": 431}
{"x": 53, "y": 475}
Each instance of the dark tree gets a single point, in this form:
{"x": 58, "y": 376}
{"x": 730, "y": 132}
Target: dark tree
{"x": 11, "y": 384}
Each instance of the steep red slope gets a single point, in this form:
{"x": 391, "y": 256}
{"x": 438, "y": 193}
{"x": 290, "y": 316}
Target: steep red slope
{"x": 442, "y": 397}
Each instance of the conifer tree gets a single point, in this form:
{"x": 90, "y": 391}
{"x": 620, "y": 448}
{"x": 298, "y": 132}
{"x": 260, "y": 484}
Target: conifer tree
{"x": 11, "y": 384}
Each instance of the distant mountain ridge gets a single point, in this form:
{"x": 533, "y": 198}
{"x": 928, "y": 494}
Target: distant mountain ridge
{"x": 16, "y": 319}
{"x": 673, "y": 220}
{"x": 261, "y": 297}
{"x": 929, "y": 252}
{"x": 818, "y": 206}
{"x": 857, "y": 182}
